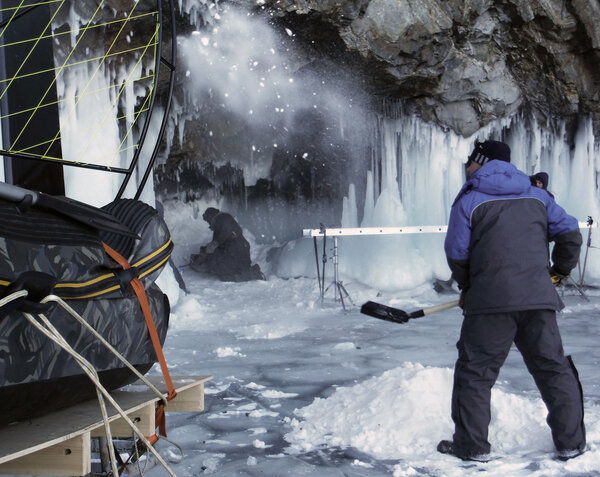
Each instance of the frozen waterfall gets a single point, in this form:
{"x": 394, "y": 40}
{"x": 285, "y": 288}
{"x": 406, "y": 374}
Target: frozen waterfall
{"x": 421, "y": 170}
{"x": 403, "y": 171}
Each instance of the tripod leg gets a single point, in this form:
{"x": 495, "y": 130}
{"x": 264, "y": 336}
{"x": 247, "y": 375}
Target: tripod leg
{"x": 343, "y": 288}
{"x": 339, "y": 286}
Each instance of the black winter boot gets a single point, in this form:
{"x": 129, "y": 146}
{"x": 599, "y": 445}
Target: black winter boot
{"x": 567, "y": 454}
{"x": 447, "y": 447}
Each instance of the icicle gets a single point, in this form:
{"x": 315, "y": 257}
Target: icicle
{"x": 349, "y": 210}
{"x": 369, "y": 201}
{"x": 89, "y": 133}
{"x": 582, "y": 188}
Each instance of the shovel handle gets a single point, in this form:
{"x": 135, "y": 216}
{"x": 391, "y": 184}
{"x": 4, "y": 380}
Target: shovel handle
{"x": 442, "y": 307}
{"x": 15, "y": 193}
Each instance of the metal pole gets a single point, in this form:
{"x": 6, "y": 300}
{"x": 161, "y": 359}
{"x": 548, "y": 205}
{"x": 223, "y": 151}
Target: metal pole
{"x": 324, "y": 262}
{"x": 589, "y": 244}
{"x": 335, "y": 269}
{"x": 317, "y": 260}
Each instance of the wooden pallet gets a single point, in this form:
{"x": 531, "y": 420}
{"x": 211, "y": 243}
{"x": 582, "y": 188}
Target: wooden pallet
{"x": 59, "y": 443}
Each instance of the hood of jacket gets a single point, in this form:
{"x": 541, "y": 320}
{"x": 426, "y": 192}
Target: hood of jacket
{"x": 499, "y": 178}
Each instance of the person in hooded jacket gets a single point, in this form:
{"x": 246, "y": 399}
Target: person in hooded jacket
{"x": 541, "y": 180}
{"x": 497, "y": 249}
{"x": 227, "y": 255}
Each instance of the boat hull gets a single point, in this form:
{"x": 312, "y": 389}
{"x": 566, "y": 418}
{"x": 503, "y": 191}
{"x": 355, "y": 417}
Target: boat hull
{"x": 37, "y": 376}
{"x": 48, "y": 254}
{"x": 34, "y": 399}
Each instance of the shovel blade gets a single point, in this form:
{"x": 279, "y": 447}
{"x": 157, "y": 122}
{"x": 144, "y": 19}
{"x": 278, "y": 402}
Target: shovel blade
{"x": 384, "y": 312}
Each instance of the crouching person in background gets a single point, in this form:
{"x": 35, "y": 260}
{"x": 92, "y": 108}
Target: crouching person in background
{"x": 227, "y": 256}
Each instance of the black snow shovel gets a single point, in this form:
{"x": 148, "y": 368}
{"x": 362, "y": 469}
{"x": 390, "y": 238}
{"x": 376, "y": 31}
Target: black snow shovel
{"x": 79, "y": 211}
{"x": 395, "y": 315}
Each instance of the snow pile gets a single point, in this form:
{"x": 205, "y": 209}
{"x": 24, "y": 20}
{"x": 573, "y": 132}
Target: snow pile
{"x": 410, "y": 406}
{"x": 405, "y": 412}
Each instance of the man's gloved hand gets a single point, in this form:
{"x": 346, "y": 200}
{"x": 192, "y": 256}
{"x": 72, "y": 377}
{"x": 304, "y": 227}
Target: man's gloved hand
{"x": 559, "y": 279}
{"x": 211, "y": 247}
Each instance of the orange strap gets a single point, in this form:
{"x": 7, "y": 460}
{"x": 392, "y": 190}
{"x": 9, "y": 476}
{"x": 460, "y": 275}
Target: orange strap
{"x": 160, "y": 418}
{"x": 138, "y": 288}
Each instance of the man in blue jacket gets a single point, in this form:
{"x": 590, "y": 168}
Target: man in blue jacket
{"x": 497, "y": 249}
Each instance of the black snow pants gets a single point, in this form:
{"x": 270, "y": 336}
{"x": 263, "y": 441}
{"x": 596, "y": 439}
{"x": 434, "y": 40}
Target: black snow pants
{"x": 485, "y": 341}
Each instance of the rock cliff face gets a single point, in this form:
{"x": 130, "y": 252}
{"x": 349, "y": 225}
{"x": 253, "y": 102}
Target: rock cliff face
{"x": 283, "y": 104}
{"x": 459, "y": 63}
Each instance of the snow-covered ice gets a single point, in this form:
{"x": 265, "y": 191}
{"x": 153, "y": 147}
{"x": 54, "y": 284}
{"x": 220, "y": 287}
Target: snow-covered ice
{"x": 304, "y": 389}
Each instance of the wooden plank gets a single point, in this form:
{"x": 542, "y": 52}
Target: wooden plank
{"x": 188, "y": 400}
{"x": 181, "y": 383}
{"x": 70, "y": 457}
{"x": 26, "y": 437}
{"x": 190, "y": 392}
{"x": 143, "y": 418}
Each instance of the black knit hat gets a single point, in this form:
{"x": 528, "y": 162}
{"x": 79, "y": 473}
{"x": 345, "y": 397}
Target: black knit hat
{"x": 488, "y": 151}
{"x": 210, "y": 214}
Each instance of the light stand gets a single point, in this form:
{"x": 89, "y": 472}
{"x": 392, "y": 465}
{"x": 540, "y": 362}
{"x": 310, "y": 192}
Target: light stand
{"x": 338, "y": 287}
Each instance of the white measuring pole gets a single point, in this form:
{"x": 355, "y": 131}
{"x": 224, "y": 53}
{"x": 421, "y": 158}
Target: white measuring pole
{"x": 357, "y": 231}
{"x": 419, "y": 229}
{"x": 415, "y": 229}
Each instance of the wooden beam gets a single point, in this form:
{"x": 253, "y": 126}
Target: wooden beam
{"x": 71, "y": 457}
{"x": 190, "y": 392}
{"x": 188, "y": 400}
{"x": 143, "y": 418}
{"x": 59, "y": 443}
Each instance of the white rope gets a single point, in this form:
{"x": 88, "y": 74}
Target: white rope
{"x": 178, "y": 447}
{"x": 138, "y": 456}
{"x": 53, "y": 334}
{"x": 74, "y": 314}
{"x": 13, "y": 296}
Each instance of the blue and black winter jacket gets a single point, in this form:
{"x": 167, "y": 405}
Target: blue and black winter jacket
{"x": 497, "y": 242}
